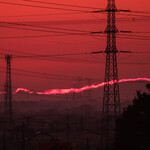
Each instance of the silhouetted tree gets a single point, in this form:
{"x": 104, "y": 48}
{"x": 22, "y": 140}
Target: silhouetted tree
{"x": 133, "y": 127}
{"x": 148, "y": 86}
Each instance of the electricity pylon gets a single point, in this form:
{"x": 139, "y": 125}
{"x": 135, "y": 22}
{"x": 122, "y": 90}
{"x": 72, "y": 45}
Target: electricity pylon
{"x": 8, "y": 92}
{"x": 111, "y": 98}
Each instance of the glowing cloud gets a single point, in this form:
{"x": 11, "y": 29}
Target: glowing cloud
{"x": 24, "y": 90}
{"x": 77, "y": 90}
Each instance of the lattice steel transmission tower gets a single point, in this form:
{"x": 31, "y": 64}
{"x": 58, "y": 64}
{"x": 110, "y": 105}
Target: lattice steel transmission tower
{"x": 111, "y": 98}
{"x": 8, "y": 89}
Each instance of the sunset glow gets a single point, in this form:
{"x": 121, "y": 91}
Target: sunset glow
{"x": 77, "y": 90}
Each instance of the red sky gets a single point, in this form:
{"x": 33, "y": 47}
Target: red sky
{"x": 72, "y": 44}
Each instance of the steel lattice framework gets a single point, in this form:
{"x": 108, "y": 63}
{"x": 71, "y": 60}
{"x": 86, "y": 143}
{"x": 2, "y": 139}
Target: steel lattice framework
{"x": 111, "y": 98}
{"x": 8, "y": 90}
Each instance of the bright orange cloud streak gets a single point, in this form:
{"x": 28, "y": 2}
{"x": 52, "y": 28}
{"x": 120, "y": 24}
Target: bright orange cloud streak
{"x": 77, "y": 90}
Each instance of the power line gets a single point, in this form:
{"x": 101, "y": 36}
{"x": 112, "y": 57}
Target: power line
{"x": 126, "y": 11}
{"x": 37, "y": 6}
{"x": 30, "y": 36}
{"x": 37, "y": 56}
{"x": 29, "y": 25}
{"x": 61, "y": 4}
{"x": 136, "y": 35}
{"x": 67, "y": 33}
{"x": 33, "y": 74}
{"x": 29, "y": 29}
{"x": 98, "y": 52}
{"x": 59, "y": 59}
{"x": 51, "y": 57}
{"x": 37, "y": 36}
{"x": 141, "y": 12}
{"x": 133, "y": 38}
{"x": 32, "y": 55}
{"x": 30, "y": 15}
{"x": 91, "y": 21}
{"x": 39, "y": 73}
{"x": 27, "y": 75}
{"x": 21, "y": 28}
{"x": 133, "y": 11}
{"x": 146, "y": 32}
{"x": 69, "y": 54}
{"x": 63, "y": 59}
{"x": 39, "y": 30}
{"x": 134, "y": 63}
{"x": 134, "y": 15}
{"x": 22, "y": 24}
{"x": 62, "y": 21}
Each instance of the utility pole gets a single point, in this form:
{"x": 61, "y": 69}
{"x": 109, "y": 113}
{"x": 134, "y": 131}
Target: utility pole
{"x": 23, "y": 146}
{"x": 111, "y": 98}
{"x": 4, "y": 139}
{"x": 87, "y": 144}
{"x": 68, "y": 126}
{"x": 8, "y": 92}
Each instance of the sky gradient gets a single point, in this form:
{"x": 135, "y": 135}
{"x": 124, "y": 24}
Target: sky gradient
{"x": 88, "y": 66}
